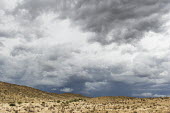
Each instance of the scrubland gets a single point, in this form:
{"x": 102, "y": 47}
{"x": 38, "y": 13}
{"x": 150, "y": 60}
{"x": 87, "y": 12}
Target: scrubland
{"x": 22, "y": 99}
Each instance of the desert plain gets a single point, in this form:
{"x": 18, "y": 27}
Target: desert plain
{"x": 23, "y": 99}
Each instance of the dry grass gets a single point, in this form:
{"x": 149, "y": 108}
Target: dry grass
{"x": 22, "y": 99}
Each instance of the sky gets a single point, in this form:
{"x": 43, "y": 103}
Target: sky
{"x": 89, "y": 47}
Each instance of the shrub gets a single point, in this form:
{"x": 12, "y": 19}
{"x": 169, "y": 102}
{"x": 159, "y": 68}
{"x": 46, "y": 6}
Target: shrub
{"x": 67, "y": 102}
{"x": 43, "y": 104}
{"x": 58, "y": 101}
{"x": 19, "y": 102}
{"x": 12, "y": 104}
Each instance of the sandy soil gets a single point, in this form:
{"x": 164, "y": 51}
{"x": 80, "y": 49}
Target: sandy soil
{"x": 90, "y": 106}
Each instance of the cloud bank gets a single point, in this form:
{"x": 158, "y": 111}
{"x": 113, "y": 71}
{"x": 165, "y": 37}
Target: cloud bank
{"x": 96, "y": 48}
{"x": 120, "y": 21}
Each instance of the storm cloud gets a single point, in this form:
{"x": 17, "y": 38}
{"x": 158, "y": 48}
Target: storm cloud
{"x": 92, "y": 47}
{"x": 120, "y": 21}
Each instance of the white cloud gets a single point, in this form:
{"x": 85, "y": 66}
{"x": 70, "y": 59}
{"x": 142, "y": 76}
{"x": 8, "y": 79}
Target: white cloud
{"x": 9, "y": 5}
{"x": 67, "y": 90}
{"x": 53, "y": 89}
{"x": 150, "y": 95}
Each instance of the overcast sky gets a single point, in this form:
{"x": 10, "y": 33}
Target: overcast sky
{"x": 90, "y": 47}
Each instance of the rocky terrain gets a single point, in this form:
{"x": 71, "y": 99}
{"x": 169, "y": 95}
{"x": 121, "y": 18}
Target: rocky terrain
{"x": 22, "y": 99}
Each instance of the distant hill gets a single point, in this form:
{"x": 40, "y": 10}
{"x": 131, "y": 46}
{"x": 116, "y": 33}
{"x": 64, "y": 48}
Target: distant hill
{"x": 17, "y": 93}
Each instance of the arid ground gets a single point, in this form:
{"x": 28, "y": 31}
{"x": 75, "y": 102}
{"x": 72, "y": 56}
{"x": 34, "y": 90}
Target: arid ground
{"x": 22, "y": 99}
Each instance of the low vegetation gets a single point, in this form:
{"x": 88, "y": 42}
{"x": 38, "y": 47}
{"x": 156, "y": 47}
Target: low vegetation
{"x": 22, "y": 99}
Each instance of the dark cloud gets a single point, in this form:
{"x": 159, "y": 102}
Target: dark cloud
{"x": 21, "y": 50}
{"x": 111, "y": 20}
{"x": 119, "y": 21}
{"x": 35, "y": 8}
{"x": 5, "y": 34}
{"x": 63, "y": 68}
